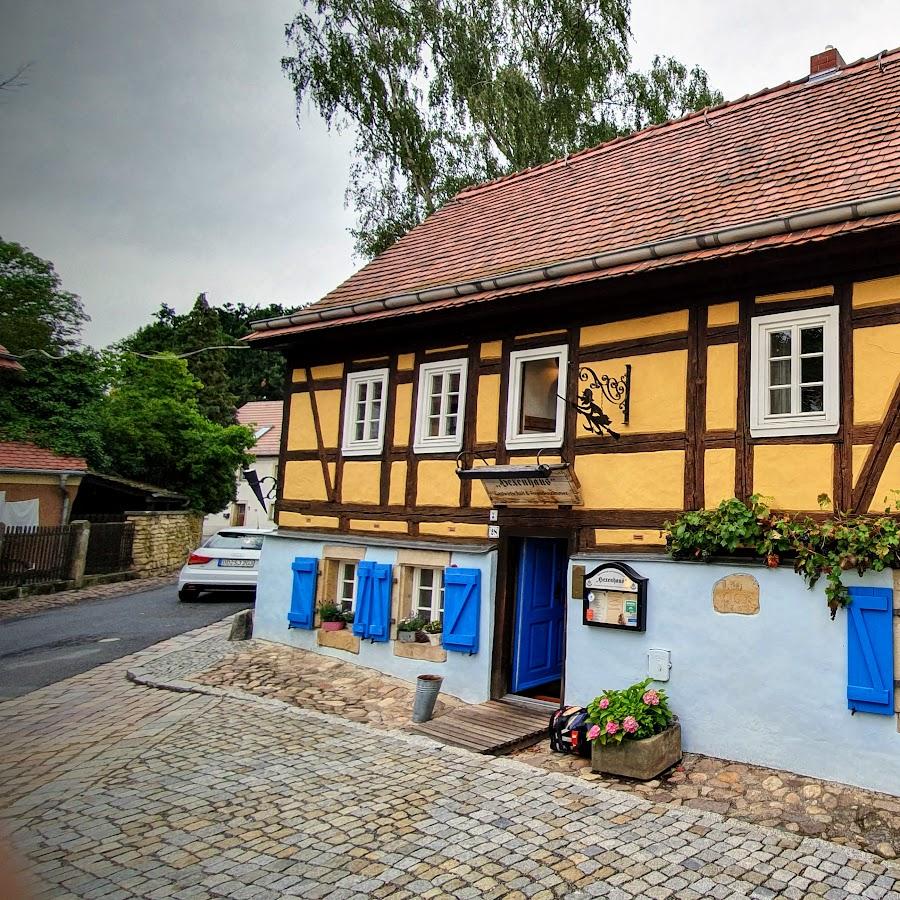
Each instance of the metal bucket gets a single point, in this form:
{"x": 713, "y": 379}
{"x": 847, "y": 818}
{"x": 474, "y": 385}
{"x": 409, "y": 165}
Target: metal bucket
{"x": 427, "y": 689}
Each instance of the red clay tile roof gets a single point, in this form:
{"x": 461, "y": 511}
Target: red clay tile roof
{"x": 802, "y": 145}
{"x": 21, "y": 456}
{"x": 8, "y": 361}
{"x": 264, "y": 414}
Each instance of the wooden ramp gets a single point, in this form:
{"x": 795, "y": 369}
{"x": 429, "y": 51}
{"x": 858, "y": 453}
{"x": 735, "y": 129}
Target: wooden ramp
{"x": 495, "y": 727}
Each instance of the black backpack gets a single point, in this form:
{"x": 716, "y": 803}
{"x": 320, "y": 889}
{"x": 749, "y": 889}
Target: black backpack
{"x": 568, "y": 731}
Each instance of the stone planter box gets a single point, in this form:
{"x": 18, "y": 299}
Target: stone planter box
{"x": 644, "y": 759}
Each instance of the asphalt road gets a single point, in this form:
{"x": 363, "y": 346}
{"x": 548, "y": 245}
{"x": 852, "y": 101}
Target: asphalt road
{"x": 62, "y": 642}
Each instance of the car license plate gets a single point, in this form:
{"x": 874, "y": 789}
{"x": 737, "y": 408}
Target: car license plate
{"x": 237, "y": 563}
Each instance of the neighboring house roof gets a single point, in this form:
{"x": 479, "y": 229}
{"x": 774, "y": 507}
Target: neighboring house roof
{"x": 19, "y": 456}
{"x": 264, "y": 416}
{"x": 8, "y": 361}
{"x": 798, "y": 163}
{"x": 135, "y": 487}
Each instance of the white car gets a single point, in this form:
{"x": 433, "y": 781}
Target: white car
{"x": 227, "y": 561}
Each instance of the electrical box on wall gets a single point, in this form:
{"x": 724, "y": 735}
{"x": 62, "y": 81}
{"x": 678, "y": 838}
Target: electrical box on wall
{"x": 660, "y": 662}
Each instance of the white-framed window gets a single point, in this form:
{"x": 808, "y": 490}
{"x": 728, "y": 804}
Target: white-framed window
{"x": 794, "y": 369}
{"x": 345, "y": 593}
{"x": 364, "y": 411}
{"x": 428, "y": 594}
{"x": 535, "y": 412}
{"x": 440, "y": 417}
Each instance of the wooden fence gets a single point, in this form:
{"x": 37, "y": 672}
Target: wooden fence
{"x": 35, "y": 554}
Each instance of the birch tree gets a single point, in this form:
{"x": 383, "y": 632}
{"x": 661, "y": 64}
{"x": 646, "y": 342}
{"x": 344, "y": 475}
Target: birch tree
{"x": 441, "y": 94}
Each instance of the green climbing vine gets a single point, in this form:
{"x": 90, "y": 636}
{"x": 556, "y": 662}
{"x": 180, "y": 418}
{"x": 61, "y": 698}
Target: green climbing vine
{"x": 829, "y": 547}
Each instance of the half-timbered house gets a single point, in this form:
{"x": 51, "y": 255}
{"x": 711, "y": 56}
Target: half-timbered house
{"x": 530, "y": 383}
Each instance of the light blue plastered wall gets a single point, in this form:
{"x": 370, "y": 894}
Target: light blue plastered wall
{"x": 465, "y": 676}
{"x": 769, "y": 689}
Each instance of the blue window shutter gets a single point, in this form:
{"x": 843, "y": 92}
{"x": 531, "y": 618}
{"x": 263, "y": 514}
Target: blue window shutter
{"x": 870, "y": 650}
{"x": 364, "y": 588}
{"x": 379, "y": 624}
{"x": 303, "y": 593}
{"x": 462, "y": 609}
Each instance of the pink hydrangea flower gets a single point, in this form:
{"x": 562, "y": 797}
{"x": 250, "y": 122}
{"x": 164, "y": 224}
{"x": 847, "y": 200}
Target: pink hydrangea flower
{"x": 629, "y": 723}
{"x": 612, "y": 727}
{"x": 593, "y": 732}
{"x": 604, "y": 703}
{"x": 651, "y": 698}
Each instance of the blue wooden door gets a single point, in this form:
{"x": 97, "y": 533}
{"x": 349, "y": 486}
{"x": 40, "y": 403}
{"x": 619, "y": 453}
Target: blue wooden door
{"x": 540, "y": 606}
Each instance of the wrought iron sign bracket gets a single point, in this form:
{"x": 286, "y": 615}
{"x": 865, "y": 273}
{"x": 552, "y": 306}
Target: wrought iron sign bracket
{"x": 613, "y": 390}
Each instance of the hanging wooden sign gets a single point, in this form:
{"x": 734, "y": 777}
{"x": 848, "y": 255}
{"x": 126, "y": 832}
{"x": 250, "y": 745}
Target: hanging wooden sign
{"x": 615, "y": 596}
{"x": 552, "y": 484}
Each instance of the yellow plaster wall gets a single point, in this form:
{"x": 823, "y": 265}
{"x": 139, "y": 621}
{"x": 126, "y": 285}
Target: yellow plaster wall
{"x": 397, "y": 493}
{"x": 304, "y": 480}
{"x": 876, "y": 367}
{"x": 328, "y": 404}
{"x": 402, "y": 413}
{"x": 876, "y": 292}
{"x": 492, "y": 350}
{"x": 889, "y": 481}
{"x": 437, "y": 483}
{"x": 301, "y": 520}
{"x": 721, "y": 386}
{"x": 335, "y": 370}
{"x": 658, "y": 392}
{"x": 827, "y": 290}
{"x": 301, "y": 430}
{"x": 487, "y": 423}
{"x": 648, "y": 537}
{"x": 480, "y": 498}
{"x": 632, "y": 480}
{"x": 375, "y": 525}
{"x": 454, "y": 529}
{"x": 860, "y": 455}
{"x": 723, "y": 314}
{"x": 361, "y": 482}
{"x": 298, "y": 376}
{"x": 718, "y": 476}
{"x": 793, "y": 475}
{"x": 406, "y": 362}
{"x": 630, "y": 329}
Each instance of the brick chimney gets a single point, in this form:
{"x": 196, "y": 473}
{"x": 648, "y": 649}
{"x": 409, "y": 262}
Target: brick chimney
{"x": 826, "y": 61}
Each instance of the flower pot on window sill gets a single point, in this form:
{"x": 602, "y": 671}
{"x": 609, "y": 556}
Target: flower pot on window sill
{"x": 406, "y": 637}
{"x": 333, "y": 626}
{"x": 434, "y": 639}
{"x": 643, "y": 760}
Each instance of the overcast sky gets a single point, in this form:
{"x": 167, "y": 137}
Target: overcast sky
{"x": 154, "y": 152}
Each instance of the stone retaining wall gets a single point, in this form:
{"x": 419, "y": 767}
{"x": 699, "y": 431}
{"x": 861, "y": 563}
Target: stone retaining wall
{"x": 163, "y": 540}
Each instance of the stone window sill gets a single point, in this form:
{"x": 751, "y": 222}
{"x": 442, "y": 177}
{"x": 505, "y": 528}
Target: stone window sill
{"x": 416, "y": 650}
{"x": 338, "y": 640}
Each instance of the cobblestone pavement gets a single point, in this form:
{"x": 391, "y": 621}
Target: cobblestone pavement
{"x": 857, "y": 818}
{"x": 319, "y": 682}
{"x": 113, "y": 790}
{"x": 29, "y": 606}
{"x": 842, "y": 814}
